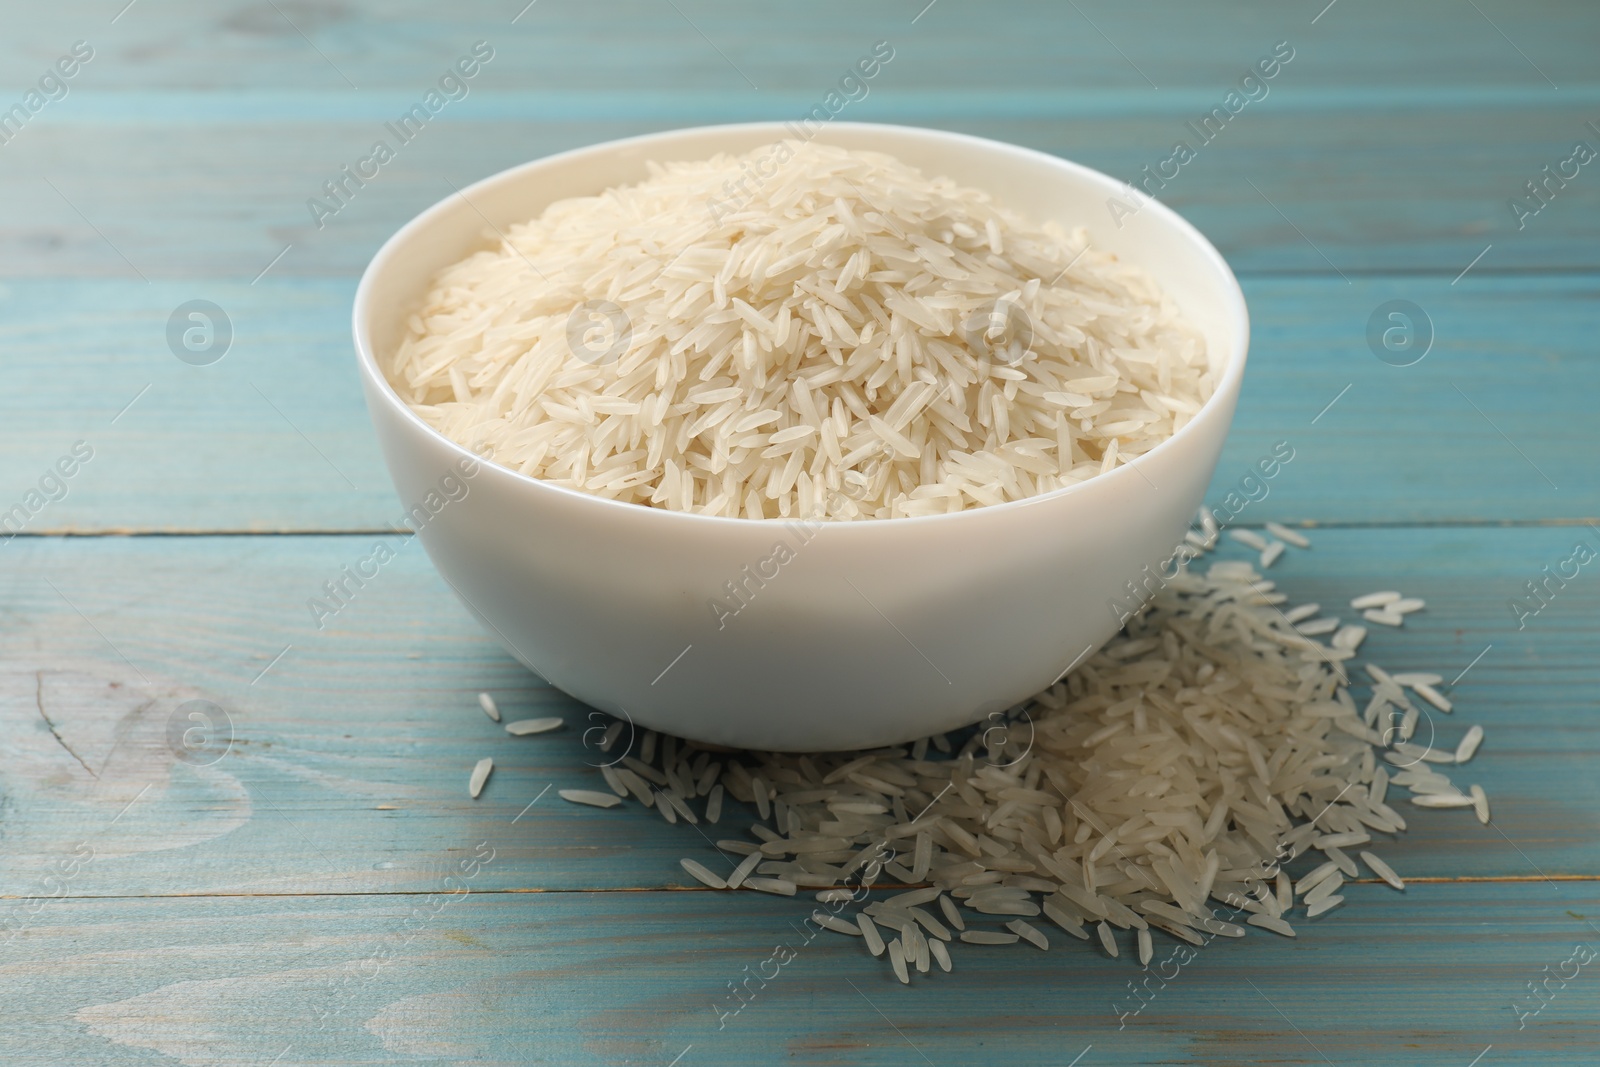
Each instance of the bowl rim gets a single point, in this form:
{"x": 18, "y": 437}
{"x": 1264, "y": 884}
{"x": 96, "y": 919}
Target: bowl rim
{"x": 1226, "y": 388}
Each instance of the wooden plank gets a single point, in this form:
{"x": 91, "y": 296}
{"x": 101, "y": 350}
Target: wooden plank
{"x": 1029, "y": 46}
{"x": 1353, "y": 186}
{"x": 1429, "y": 976}
{"x": 275, "y": 436}
{"x": 352, "y": 745}
{"x": 1380, "y": 156}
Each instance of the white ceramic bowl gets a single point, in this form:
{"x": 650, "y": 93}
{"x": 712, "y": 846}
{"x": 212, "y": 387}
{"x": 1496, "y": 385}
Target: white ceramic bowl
{"x": 875, "y": 632}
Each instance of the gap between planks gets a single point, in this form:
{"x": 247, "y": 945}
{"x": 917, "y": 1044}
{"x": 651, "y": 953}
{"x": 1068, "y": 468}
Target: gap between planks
{"x": 1473, "y": 879}
{"x": 67, "y": 533}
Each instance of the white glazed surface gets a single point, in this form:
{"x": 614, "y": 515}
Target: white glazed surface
{"x": 876, "y": 631}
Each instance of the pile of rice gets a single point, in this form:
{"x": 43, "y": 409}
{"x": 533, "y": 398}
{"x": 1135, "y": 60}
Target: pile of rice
{"x": 1182, "y": 767}
{"x": 846, "y": 339}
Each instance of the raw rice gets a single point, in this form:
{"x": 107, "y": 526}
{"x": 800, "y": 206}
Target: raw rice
{"x": 854, "y": 341}
{"x": 897, "y": 960}
{"x": 836, "y": 924}
{"x": 480, "y": 775}
{"x": 1283, "y": 533}
{"x": 778, "y": 886}
{"x": 1382, "y": 870}
{"x": 523, "y": 727}
{"x": 747, "y": 867}
{"x": 703, "y": 874}
{"x": 1480, "y": 803}
{"x": 1028, "y": 933}
{"x": 988, "y": 937}
{"x": 486, "y": 702}
{"x": 1325, "y": 904}
{"x": 590, "y": 797}
{"x": 1432, "y": 696}
{"x": 869, "y": 931}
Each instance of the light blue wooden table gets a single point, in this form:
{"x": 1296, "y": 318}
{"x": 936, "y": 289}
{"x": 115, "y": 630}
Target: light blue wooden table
{"x": 284, "y": 904}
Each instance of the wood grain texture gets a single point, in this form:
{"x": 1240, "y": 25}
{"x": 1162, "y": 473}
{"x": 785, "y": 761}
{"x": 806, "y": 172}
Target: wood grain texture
{"x": 271, "y": 887}
{"x": 275, "y": 437}
{"x": 1324, "y": 197}
{"x": 1368, "y": 152}
{"x": 563, "y": 978}
{"x": 350, "y": 755}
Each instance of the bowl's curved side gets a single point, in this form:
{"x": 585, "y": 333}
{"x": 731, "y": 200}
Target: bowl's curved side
{"x": 777, "y": 635}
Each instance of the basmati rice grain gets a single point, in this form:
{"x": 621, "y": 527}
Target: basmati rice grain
{"x": 1315, "y": 877}
{"x": 614, "y": 781}
{"x": 836, "y": 924}
{"x": 1146, "y": 947}
{"x": 1384, "y": 618}
{"x": 1383, "y": 870}
{"x": 703, "y": 874}
{"x": 1433, "y": 696}
{"x": 988, "y": 937}
{"x": 1107, "y": 942}
{"x": 1346, "y": 864}
{"x": 913, "y": 898}
{"x": 1029, "y": 933}
{"x": 1323, "y": 890}
{"x": 1285, "y": 892}
{"x": 923, "y": 955}
{"x": 1349, "y": 638}
{"x": 869, "y": 931}
{"x": 1249, "y": 538}
{"x": 1442, "y": 800}
{"x": 1271, "y": 554}
{"x": 763, "y": 805}
{"x": 590, "y": 797}
{"x": 486, "y": 702}
{"x": 897, "y": 960}
{"x": 747, "y": 867}
{"x": 782, "y": 887}
{"x": 1469, "y": 744}
{"x": 714, "y": 804}
{"x": 834, "y": 896}
{"x": 1354, "y": 837}
{"x": 1418, "y": 678}
{"x": 932, "y": 925}
{"x": 941, "y": 955}
{"x": 1406, "y": 605}
{"x": 1304, "y": 611}
{"x": 1325, "y": 904}
{"x": 1480, "y": 803}
{"x": 1375, "y": 600}
{"x": 1219, "y": 928}
{"x": 480, "y": 775}
{"x": 1283, "y": 533}
{"x": 1267, "y": 922}
{"x": 682, "y": 806}
{"x": 951, "y": 913}
{"x": 523, "y": 727}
